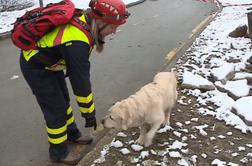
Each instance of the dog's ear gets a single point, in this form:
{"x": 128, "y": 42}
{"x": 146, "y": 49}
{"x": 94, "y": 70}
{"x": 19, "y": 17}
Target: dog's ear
{"x": 126, "y": 120}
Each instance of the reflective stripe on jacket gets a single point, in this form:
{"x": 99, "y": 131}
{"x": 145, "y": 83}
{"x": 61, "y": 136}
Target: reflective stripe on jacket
{"x": 70, "y": 41}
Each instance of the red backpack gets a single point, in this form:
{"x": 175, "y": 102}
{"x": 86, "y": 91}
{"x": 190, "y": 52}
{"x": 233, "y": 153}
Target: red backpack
{"x": 34, "y": 24}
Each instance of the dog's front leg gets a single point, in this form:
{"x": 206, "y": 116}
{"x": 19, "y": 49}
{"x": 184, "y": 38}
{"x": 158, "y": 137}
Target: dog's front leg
{"x": 150, "y": 134}
{"x": 167, "y": 118}
{"x": 143, "y": 130}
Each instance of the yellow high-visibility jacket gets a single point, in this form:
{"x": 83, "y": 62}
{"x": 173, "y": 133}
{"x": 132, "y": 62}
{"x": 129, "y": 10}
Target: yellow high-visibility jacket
{"x": 73, "y": 47}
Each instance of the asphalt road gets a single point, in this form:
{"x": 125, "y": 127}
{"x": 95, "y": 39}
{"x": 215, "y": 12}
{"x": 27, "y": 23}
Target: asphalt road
{"x": 130, "y": 60}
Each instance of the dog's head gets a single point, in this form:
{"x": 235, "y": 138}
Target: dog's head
{"x": 118, "y": 118}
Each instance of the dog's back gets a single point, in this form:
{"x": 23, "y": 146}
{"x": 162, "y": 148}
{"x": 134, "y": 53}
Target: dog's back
{"x": 163, "y": 90}
{"x": 167, "y": 82}
{"x": 150, "y": 102}
{"x": 152, "y": 105}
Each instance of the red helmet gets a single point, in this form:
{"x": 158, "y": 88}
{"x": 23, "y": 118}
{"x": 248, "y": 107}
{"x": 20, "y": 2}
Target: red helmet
{"x": 110, "y": 11}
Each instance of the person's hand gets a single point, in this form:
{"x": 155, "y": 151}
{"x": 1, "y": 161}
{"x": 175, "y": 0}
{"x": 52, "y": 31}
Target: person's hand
{"x": 91, "y": 122}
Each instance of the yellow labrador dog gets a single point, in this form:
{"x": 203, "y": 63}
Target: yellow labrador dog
{"x": 151, "y": 105}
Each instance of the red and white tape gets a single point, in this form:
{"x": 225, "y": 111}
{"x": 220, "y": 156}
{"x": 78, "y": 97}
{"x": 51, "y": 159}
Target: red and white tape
{"x": 230, "y": 4}
{"x": 218, "y": 3}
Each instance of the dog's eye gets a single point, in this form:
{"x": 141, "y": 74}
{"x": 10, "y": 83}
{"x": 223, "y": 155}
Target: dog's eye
{"x": 111, "y": 117}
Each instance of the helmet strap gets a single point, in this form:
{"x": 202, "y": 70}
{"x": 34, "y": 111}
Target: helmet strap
{"x": 99, "y": 30}
{"x": 103, "y": 27}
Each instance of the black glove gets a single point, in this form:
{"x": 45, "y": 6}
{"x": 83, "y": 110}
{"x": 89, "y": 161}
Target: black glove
{"x": 91, "y": 122}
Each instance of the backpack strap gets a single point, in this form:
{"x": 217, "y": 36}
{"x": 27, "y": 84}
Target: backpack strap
{"x": 83, "y": 26}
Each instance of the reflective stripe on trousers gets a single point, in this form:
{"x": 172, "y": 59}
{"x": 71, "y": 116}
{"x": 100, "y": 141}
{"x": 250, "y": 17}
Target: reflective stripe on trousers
{"x": 52, "y": 95}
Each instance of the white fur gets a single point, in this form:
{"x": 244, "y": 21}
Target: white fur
{"x": 149, "y": 108}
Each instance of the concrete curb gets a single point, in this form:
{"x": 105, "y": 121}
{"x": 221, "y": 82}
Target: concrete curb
{"x": 5, "y": 35}
{"x": 171, "y": 58}
{"x": 135, "y": 3}
{"x": 95, "y": 153}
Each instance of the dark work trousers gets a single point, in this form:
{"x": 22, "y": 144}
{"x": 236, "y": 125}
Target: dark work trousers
{"x": 51, "y": 92}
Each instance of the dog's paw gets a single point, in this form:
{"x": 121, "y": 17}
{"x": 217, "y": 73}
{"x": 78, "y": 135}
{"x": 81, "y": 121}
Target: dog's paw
{"x": 162, "y": 125}
{"x": 140, "y": 141}
{"x": 165, "y": 124}
{"x": 168, "y": 123}
{"x": 147, "y": 143}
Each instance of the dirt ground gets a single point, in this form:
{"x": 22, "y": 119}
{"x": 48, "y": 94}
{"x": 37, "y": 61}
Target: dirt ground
{"x": 220, "y": 142}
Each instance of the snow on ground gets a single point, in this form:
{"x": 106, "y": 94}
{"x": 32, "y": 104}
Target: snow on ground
{"x": 212, "y": 51}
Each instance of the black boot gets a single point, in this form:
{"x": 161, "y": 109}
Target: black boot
{"x": 75, "y": 136}
{"x": 70, "y": 159}
{"x": 82, "y": 140}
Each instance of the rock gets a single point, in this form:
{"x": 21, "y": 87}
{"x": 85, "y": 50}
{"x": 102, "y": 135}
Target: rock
{"x": 248, "y": 66}
{"x": 220, "y": 88}
{"x": 246, "y": 70}
{"x": 240, "y": 31}
{"x": 243, "y": 75}
{"x": 223, "y": 73}
{"x": 195, "y": 81}
{"x": 250, "y": 60}
{"x": 119, "y": 163}
{"x": 235, "y": 89}
{"x": 202, "y": 88}
{"x": 241, "y": 110}
{"x": 249, "y": 79}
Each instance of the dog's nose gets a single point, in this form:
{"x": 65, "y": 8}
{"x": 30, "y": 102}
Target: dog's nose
{"x": 102, "y": 121}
